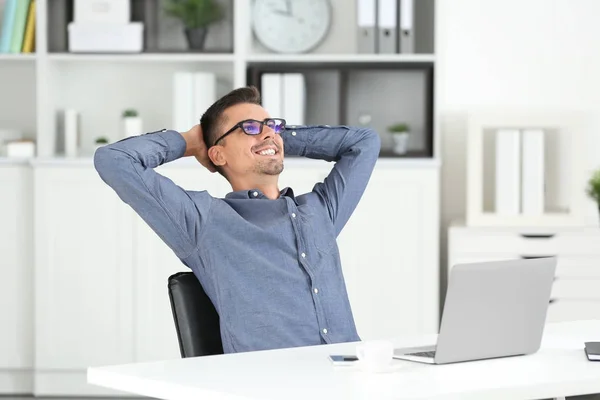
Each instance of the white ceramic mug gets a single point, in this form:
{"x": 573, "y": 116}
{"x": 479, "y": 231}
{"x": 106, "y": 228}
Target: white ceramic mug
{"x": 375, "y": 355}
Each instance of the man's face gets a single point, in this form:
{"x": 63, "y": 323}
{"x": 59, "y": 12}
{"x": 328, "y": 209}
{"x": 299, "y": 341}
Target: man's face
{"x": 244, "y": 154}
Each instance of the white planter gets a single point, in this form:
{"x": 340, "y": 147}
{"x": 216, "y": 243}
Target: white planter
{"x": 132, "y": 126}
{"x": 400, "y": 142}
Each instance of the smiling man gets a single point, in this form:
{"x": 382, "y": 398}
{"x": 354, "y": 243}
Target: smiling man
{"x": 266, "y": 257}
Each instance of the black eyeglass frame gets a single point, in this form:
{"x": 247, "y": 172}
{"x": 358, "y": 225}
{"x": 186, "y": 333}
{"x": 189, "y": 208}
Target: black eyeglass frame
{"x": 241, "y": 126}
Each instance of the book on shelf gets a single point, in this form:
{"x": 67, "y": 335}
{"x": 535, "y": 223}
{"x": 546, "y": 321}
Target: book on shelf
{"x": 17, "y": 29}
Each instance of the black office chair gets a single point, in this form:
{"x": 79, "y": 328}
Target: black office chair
{"x": 196, "y": 319}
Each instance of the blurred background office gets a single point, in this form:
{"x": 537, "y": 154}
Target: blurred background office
{"x": 488, "y": 112}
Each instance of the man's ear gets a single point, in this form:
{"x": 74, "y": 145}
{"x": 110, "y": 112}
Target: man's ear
{"x": 215, "y": 153}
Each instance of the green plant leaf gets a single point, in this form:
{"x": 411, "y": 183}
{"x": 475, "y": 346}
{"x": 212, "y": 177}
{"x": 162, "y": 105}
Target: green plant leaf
{"x": 398, "y": 128}
{"x": 130, "y": 112}
{"x": 195, "y": 13}
{"x": 593, "y": 187}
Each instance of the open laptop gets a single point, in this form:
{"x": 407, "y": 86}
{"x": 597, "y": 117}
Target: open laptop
{"x": 492, "y": 309}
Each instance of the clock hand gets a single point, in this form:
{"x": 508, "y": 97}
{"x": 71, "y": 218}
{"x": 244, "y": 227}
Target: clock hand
{"x": 279, "y": 12}
{"x": 288, "y": 7}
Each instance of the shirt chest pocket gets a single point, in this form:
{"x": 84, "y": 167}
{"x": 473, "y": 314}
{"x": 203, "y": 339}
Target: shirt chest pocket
{"x": 321, "y": 232}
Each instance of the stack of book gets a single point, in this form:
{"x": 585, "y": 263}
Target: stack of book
{"x": 17, "y": 29}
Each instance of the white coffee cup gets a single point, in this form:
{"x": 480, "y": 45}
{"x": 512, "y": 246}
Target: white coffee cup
{"x": 375, "y": 355}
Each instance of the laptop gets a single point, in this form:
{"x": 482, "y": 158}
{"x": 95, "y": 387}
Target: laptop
{"x": 492, "y": 309}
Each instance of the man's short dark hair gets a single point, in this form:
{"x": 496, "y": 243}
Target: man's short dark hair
{"x": 212, "y": 119}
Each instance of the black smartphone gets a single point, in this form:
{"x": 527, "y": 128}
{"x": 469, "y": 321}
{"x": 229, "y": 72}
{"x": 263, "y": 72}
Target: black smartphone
{"x": 343, "y": 360}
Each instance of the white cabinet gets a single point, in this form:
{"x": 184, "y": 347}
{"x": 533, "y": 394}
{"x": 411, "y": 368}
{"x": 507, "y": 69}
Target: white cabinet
{"x": 389, "y": 251}
{"x": 16, "y": 275}
{"x": 83, "y": 279}
{"x": 101, "y": 273}
{"x": 575, "y": 293}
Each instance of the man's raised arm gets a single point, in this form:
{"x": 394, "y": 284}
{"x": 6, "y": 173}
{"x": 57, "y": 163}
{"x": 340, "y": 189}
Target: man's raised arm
{"x": 355, "y": 151}
{"x": 128, "y": 166}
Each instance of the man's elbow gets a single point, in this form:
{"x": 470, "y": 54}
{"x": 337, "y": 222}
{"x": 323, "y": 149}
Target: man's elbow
{"x": 107, "y": 162}
{"x": 372, "y": 141}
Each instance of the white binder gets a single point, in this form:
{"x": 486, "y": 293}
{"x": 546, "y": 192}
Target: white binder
{"x": 533, "y": 177}
{"x": 406, "y": 30}
{"x": 367, "y": 26}
{"x": 272, "y": 93}
{"x": 387, "y": 26}
{"x": 508, "y": 172}
{"x": 294, "y": 98}
{"x": 205, "y": 93}
{"x": 184, "y": 115}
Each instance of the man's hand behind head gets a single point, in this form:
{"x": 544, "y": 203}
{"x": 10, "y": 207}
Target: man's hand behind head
{"x": 196, "y": 147}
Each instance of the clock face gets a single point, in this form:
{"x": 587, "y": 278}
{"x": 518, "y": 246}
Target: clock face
{"x": 291, "y": 26}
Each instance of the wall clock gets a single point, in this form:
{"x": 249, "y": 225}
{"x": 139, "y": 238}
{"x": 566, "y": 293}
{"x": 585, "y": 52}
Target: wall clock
{"x": 291, "y": 26}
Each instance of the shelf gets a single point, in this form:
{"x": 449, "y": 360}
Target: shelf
{"x": 18, "y": 57}
{"x": 341, "y": 58}
{"x": 144, "y": 57}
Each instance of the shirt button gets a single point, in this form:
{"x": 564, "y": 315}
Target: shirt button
{"x": 293, "y": 215}
{"x": 316, "y": 290}
{"x": 303, "y": 255}
{"x": 325, "y": 331}
{"x": 254, "y": 194}
{"x": 294, "y": 133}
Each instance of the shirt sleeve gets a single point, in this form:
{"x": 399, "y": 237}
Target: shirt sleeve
{"x": 128, "y": 166}
{"x": 355, "y": 152}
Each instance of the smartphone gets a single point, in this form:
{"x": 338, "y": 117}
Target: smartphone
{"x": 343, "y": 360}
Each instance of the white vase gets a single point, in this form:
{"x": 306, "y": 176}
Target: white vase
{"x": 400, "y": 142}
{"x": 132, "y": 126}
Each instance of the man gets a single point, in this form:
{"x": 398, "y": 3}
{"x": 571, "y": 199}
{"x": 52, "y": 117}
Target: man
{"x": 268, "y": 259}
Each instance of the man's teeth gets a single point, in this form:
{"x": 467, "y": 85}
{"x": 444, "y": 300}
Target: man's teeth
{"x": 268, "y": 152}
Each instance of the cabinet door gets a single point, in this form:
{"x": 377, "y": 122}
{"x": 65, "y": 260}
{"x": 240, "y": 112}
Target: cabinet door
{"x": 389, "y": 251}
{"x": 83, "y": 279}
{"x": 16, "y": 274}
{"x": 156, "y": 338}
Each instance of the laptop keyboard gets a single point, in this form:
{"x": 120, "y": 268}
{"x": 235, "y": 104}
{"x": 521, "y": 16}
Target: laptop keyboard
{"x": 428, "y": 354}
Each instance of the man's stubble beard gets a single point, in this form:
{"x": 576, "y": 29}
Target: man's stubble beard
{"x": 269, "y": 167}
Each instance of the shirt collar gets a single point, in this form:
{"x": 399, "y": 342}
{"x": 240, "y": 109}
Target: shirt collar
{"x": 249, "y": 194}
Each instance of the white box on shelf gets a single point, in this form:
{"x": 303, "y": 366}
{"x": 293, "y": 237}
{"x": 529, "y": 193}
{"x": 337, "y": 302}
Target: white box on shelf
{"x": 19, "y": 149}
{"x": 102, "y": 11}
{"x": 572, "y": 126}
{"x": 126, "y": 38}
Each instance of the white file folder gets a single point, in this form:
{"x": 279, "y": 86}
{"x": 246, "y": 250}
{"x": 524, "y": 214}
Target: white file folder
{"x": 272, "y": 93}
{"x": 533, "y": 177}
{"x": 367, "y": 26}
{"x": 294, "y": 98}
{"x": 508, "y": 172}
{"x": 406, "y": 30}
{"x": 387, "y": 26}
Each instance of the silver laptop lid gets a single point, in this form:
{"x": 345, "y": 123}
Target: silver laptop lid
{"x": 495, "y": 309}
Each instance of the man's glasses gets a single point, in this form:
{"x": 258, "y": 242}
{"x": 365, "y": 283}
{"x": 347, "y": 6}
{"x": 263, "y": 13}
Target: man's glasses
{"x": 254, "y": 127}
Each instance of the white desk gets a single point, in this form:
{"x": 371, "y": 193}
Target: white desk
{"x": 559, "y": 369}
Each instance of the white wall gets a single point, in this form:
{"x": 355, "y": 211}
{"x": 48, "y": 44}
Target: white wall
{"x": 511, "y": 53}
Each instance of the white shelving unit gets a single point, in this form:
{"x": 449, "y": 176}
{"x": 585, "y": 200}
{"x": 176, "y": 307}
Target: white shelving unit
{"x": 100, "y": 86}
{"x": 86, "y": 277}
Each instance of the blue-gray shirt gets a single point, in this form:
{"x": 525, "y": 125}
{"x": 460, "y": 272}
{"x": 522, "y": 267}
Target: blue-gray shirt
{"x": 271, "y": 267}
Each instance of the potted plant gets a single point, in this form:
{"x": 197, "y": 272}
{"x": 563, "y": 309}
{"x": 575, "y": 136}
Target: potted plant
{"x": 132, "y": 123}
{"x": 100, "y": 141}
{"x": 400, "y": 133}
{"x": 593, "y": 188}
{"x": 196, "y": 16}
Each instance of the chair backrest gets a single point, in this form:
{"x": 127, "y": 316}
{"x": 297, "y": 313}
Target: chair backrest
{"x": 196, "y": 319}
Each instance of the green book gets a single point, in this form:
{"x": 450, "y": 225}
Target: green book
{"x": 16, "y": 43}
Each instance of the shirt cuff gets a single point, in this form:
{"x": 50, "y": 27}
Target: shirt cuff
{"x": 176, "y": 145}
